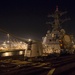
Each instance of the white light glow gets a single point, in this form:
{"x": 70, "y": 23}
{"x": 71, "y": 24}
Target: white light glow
{"x": 29, "y": 39}
{"x": 7, "y": 54}
{"x": 20, "y": 52}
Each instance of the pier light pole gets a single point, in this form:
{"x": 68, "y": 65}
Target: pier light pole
{"x": 8, "y": 40}
{"x": 8, "y": 37}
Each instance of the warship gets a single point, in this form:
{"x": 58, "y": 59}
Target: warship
{"x": 57, "y": 41}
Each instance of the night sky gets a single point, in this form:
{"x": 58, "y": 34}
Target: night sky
{"x": 27, "y": 18}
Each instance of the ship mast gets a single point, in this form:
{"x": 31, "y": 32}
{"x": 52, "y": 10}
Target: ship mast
{"x": 57, "y": 21}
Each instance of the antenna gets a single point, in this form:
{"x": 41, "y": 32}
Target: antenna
{"x": 57, "y": 19}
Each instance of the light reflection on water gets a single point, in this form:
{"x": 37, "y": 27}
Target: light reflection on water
{"x": 6, "y": 54}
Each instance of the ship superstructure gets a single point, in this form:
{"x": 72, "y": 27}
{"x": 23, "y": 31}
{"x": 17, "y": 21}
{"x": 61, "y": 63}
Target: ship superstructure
{"x": 56, "y": 40}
